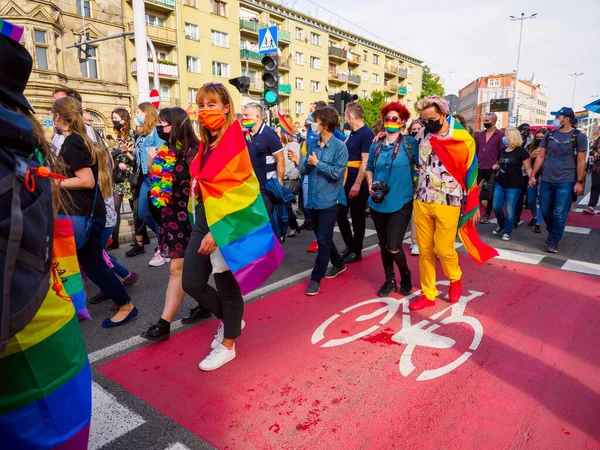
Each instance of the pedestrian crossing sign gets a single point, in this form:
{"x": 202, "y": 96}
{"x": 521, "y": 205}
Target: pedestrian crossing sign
{"x": 267, "y": 40}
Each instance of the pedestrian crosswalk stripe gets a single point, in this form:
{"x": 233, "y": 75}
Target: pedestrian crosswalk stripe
{"x": 578, "y": 230}
{"x": 177, "y": 446}
{"x": 521, "y": 257}
{"x": 581, "y": 267}
{"x": 110, "y": 419}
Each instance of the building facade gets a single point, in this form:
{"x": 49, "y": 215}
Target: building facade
{"x": 532, "y": 101}
{"x": 50, "y": 27}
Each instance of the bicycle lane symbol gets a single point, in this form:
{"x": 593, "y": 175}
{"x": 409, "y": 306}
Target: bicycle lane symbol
{"x": 420, "y": 334}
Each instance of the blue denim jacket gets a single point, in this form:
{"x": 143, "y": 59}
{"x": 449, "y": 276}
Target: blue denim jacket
{"x": 142, "y": 144}
{"x": 326, "y": 179}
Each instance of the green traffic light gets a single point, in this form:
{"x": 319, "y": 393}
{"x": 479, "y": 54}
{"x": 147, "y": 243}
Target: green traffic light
{"x": 270, "y": 97}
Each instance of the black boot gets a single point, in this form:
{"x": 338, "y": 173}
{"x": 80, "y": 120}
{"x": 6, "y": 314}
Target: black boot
{"x": 159, "y": 332}
{"x": 387, "y": 288}
{"x": 406, "y": 283}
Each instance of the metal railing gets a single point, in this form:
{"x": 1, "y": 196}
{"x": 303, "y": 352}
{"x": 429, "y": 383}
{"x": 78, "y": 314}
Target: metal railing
{"x": 402, "y": 91}
{"x": 285, "y": 88}
{"x": 158, "y": 33}
{"x": 249, "y": 54}
{"x": 402, "y": 73}
{"x": 353, "y": 79}
{"x": 164, "y": 70}
{"x": 251, "y": 25}
{"x": 338, "y": 52}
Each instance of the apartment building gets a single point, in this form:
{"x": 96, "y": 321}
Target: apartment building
{"x": 198, "y": 41}
{"x": 50, "y": 27}
{"x": 532, "y": 101}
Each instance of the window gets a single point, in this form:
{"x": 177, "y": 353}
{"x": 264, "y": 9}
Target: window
{"x": 315, "y": 86}
{"x": 41, "y": 49}
{"x": 248, "y": 45}
{"x": 191, "y": 32}
{"x": 365, "y": 56}
{"x": 220, "y": 69}
{"x": 364, "y": 94}
{"x": 300, "y": 84}
{"x": 84, "y": 8}
{"x": 375, "y": 78}
{"x": 89, "y": 68}
{"x": 365, "y": 75}
{"x": 247, "y": 14}
{"x": 299, "y": 108}
{"x": 193, "y": 64}
{"x": 409, "y": 87}
{"x": 154, "y": 20}
{"x": 219, "y": 39}
{"x": 409, "y": 104}
{"x": 191, "y": 3}
{"x": 192, "y": 93}
{"x": 315, "y": 62}
{"x": 315, "y": 39}
{"x": 218, "y": 8}
{"x": 300, "y": 58}
{"x": 410, "y": 70}
{"x": 165, "y": 93}
{"x": 252, "y": 74}
{"x": 494, "y": 82}
{"x": 159, "y": 55}
{"x": 299, "y": 33}
{"x": 375, "y": 59}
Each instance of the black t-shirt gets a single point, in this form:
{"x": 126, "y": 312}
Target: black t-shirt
{"x": 76, "y": 156}
{"x": 509, "y": 174}
{"x": 358, "y": 144}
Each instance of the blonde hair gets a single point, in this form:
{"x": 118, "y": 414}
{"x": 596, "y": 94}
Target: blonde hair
{"x": 440, "y": 105}
{"x": 150, "y": 121}
{"x": 513, "y": 136}
{"x": 215, "y": 92}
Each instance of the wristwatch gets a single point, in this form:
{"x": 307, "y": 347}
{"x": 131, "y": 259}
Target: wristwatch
{"x": 580, "y": 181}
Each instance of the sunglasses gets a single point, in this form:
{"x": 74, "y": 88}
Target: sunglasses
{"x": 391, "y": 119}
{"x": 212, "y": 84}
{"x": 429, "y": 120}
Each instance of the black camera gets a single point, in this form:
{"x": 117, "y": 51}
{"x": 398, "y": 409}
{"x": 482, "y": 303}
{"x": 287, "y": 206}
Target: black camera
{"x": 379, "y": 191}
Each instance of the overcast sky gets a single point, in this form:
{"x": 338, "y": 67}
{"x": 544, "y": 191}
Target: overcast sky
{"x": 464, "y": 39}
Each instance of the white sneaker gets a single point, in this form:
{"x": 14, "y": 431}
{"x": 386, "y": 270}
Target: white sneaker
{"x": 218, "y": 340}
{"x": 505, "y": 237}
{"x": 157, "y": 260}
{"x": 217, "y": 358}
{"x": 414, "y": 250}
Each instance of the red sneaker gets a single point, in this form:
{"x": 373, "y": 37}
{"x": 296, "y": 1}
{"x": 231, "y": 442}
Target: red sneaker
{"x": 422, "y": 303}
{"x": 313, "y": 247}
{"x": 589, "y": 211}
{"x": 455, "y": 291}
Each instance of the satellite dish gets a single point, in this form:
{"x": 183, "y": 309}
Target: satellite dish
{"x": 453, "y": 103}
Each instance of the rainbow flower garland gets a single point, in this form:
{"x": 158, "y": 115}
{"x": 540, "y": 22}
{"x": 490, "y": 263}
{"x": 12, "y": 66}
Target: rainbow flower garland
{"x": 161, "y": 176}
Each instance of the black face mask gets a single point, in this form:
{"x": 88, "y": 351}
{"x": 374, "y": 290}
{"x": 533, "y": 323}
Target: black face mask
{"x": 117, "y": 125}
{"x": 414, "y": 133}
{"x": 487, "y": 126}
{"x": 161, "y": 134}
{"x": 434, "y": 127}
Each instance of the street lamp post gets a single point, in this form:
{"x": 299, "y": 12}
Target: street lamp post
{"x": 516, "y": 91}
{"x": 576, "y": 74}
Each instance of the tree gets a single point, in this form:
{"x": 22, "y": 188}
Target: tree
{"x": 431, "y": 84}
{"x": 373, "y": 106}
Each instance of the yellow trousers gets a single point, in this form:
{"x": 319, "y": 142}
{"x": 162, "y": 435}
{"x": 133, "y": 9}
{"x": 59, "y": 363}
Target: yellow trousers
{"x": 436, "y": 233}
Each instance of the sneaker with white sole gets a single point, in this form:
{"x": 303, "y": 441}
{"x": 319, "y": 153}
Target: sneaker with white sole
{"x": 217, "y": 358}
{"x": 157, "y": 260}
{"x": 506, "y": 237}
{"x": 218, "y": 340}
{"x": 414, "y": 250}
{"x": 497, "y": 231}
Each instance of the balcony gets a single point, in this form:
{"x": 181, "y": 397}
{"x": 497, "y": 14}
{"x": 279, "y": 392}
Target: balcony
{"x": 402, "y": 91}
{"x": 284, "y": 63}
{"x": 336, "y": 76}
{"x": 353, "y": 59}
{"x": 251, "y": 25}
{"x": 391, "y": 69}
{"x": 338, "y": 53}
{"x": 164, "y": 70}
{"x": 353, "y": 79}
{"x": 165, "y": 5}
{"x": 284, "y": 35}
{"x": 391, "y": 87}
{"x": 255, "y": 85}
{"x": 250, "y": 55}
{"x": 285, "y": 89}
{"x": 402, "y": 73}
{"x": 170, "y": 102}
{"x": 161, "y": 35}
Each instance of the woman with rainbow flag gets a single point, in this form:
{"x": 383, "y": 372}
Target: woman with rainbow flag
{"x": 232, "y": 235}
{"x": 447, "y": 170}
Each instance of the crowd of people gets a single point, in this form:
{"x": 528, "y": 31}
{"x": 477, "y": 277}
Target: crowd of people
{"x": 206, "y": 197}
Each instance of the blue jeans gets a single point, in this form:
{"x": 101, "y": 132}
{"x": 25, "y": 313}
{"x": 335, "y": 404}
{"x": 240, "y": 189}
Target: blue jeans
{"x": 555, "y": 199}
{"x": 532, "y": 199}
{"x": 509, "y": 196}
{"x": 323, "y": 221}
{"x": 118, "y": 268}
{"x": 143, "y": 208}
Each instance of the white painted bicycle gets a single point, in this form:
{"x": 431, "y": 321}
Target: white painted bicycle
{"x": 420, "y": 334}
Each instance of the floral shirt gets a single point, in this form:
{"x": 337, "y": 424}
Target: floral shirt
{"x": 435, "y": 184}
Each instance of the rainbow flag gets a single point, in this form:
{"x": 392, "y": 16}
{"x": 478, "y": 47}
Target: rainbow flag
{"x": 45, "y": 380}
{"x": 11, "y": 30}
{"x": 457, "y": 154}
{"x": 64, "y": 255}
{"x": 236, "y": 213}
{"x": 582, "y": 114}
{"x": 285, "y": 127}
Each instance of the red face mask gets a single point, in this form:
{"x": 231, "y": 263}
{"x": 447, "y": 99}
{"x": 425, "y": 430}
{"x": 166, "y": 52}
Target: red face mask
{"x": 211, "y": 119}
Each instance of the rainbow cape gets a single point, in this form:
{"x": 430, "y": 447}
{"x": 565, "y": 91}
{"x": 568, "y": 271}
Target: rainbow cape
{"x": 45, "y": 379}
{"x": 457, "y": 154}
{"x": 236, "y": 213}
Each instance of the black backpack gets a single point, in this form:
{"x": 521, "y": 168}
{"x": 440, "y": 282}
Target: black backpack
{"x": 26, "y": 231}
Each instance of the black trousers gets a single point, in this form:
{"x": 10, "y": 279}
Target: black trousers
{"x": 595, "y": 192}
{"x": 391, "y": 228}
{"x": 323, "y": 221}
{"x": 225, "y": 302}
{"x": 486, "y": 174}
{"x": 357, "y": 205}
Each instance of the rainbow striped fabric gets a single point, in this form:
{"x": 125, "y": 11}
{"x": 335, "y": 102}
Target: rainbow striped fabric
{"x": 391, "y": 127}
{"x": 45, "y": 380}
{"x": 285, "y": 127}
{"x": 579, "y": 115}
{"x": 11, "y": 31}
{"x": 236, "y": 213}
{"x": 457, "y": 154}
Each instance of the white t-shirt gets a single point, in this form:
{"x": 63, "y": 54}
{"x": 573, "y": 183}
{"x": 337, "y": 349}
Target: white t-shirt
{"x": 291, "y": 171}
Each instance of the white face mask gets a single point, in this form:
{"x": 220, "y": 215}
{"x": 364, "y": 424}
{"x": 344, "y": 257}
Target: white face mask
{"x": 315, "y": 128}
{"x": 347, "y": 133}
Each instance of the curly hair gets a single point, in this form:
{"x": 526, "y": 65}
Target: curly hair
{"x": 403, "y": 113}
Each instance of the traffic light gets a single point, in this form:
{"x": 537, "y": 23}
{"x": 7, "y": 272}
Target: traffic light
{"x": 242, "y": 84}
{"x": 341, "y": 100}
{"x": 86, "y": 51}
{"x": 270, "y": 79}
